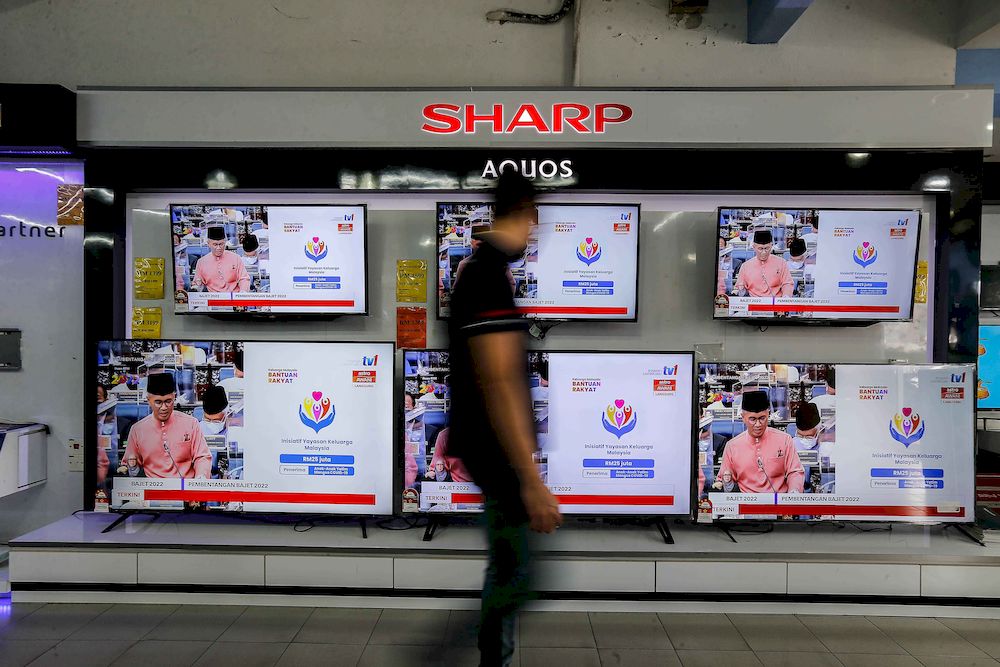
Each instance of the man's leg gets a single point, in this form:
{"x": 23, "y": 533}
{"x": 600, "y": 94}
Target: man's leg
{"x": 507, "y": 586}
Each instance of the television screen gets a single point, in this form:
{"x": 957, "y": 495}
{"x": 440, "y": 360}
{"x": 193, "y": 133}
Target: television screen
{"x": 245, "y": 426}
{"x": 269, "y": 259}
{"x": 614, "y": 433}
{"x": 581, "y": 261}
{"x": 989, "y": 288}
{"x": 987, "y": 389}
{"x": 769, "y": 447}
{"x": 816, "y": 264}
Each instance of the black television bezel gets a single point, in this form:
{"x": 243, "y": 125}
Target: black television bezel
{"x": 252, "y": 515}
{"x": 236, "y": 316}
{"x": 692, "y": 487}
{"x": 972, "y": 451}
{"x": 995, "y": 270}
{"x": 845, "y": 321}
{"x": 638, "y": 246}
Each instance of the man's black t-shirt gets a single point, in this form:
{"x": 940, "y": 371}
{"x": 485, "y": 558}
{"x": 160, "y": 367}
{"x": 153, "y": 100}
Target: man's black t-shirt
{"x": 481, "y": 303}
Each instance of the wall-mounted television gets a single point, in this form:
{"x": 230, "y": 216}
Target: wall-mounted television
{"x": 269, "y": 259}
{"x": 245, "y": 426}
{"x": 989, "y": 288}
{"x": 988, "y": 384}
{"x": 798, "y": 265}
{"x": 614, "y": 433}
{"x": 581, "y": 262}
{"x": 842, "y": 442}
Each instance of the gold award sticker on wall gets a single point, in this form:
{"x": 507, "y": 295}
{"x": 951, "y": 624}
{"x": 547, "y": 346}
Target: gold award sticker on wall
{"x": 920, "y": 294}
{"x": 146, "y": 322}
{"x": 411, "y": 281}
{"x": 69, "y": 206}
{"x": 148, "y": 277}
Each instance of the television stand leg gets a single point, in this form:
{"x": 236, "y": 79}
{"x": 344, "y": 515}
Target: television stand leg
{"x": 364, "y": 528}
{"x": 124, "y": 517}
{"x": 661, "y": 525}
{"x": 432, "y": 525}
{"x": 968, "y": 533}
{"x": 728, "y": 533}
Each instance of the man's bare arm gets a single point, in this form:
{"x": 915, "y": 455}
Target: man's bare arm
{"x": 499, "y": 365}
{"x": 498, "y": 362}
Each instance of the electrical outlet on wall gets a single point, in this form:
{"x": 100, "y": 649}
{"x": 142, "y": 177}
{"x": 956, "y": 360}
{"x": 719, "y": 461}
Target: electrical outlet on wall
{"x": 10, "y": 349}
{"x": 75, "y": 455}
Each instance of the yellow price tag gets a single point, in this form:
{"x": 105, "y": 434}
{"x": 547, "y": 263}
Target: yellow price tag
{"x": 148, "y": 277}
{"x": 920, "y": 294}
{"x": 146, "y": 322}
{"x": 411, "y": 281}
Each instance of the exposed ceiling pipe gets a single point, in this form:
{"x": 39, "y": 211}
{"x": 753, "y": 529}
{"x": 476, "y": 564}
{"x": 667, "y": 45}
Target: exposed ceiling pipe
{"x": 514, "y": 16}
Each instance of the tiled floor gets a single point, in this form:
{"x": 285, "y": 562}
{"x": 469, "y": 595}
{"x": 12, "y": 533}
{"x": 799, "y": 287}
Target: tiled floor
{"x": 82, "y": 635}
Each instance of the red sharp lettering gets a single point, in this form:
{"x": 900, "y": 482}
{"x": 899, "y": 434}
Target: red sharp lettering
{"x": 471, "y": 118}
{"x": 447, "y": 124}
{"x": 534, "y": 119}
{"x": 559, "y": 116}
{"x": 601, "y": 118}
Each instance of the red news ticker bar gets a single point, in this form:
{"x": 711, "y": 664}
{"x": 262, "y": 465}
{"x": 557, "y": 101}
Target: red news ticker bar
{"x": 852, "y": 510}
{"x": 283, "y": 302}
{"x": 581, "y": 499}
{"x": 576, "y": 310}
{"x": 466, "y": 497}
{"x": 801, "y": 307}
{"x": 211, "y": 495}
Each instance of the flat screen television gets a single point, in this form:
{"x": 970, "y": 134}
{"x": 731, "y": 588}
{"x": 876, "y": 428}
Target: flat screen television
{"x": 245, "y": 426}
{"x": 614, "y": 433}
{"x": 843, "y": 442}
{"x": 799, "y": 265}
{"x": 581, "y": 262}
{"x": 988, "y": 384}
{"x": 269, "y": 258}
{"x": 989, "y": 288}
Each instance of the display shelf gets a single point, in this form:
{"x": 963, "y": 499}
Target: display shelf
{"x": 200, "y": 555}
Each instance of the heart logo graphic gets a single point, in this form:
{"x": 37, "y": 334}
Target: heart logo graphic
{"x": 317, "y": 413}
{"x": 316, "y": 249}
{"x": 619, "y": 418}
{"x": 589, "y": 251}
{"x": 865, "y": 254}
{"x": 906, "y": 427}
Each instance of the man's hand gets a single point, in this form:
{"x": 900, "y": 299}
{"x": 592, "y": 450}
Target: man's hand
{"x": 542, "y": 507}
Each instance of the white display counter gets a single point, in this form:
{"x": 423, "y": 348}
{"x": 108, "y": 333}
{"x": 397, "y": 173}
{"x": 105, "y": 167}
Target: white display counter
{"x": 227, "y": 559}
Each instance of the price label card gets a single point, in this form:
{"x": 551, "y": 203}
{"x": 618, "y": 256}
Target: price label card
{"x": 146, "y": 322}
{"x": 411, "y": 327}
{"x": 411, "y": 281}
{"x": 148, "y": 277}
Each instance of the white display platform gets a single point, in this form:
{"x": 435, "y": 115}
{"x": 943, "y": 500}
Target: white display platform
{"x": 186, "y": 555}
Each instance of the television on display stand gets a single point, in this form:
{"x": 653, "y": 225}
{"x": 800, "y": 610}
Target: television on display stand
{"x": 841, "y": 442}
{"x": 614, "y": 434}
{"x": 245, "y": 427}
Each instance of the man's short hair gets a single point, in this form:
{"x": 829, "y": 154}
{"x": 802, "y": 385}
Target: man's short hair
{"x": 513, "y": 193}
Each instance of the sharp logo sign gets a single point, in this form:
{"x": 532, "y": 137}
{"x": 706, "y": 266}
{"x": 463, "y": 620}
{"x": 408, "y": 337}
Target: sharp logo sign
{"x": 506, "y": 119}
